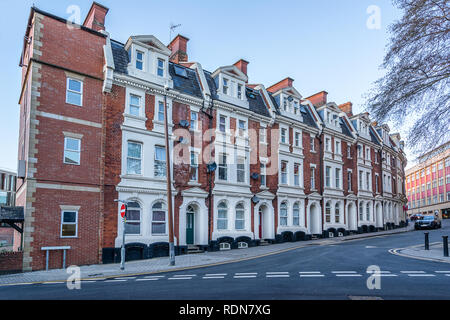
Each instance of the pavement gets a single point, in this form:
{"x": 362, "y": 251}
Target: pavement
{"x": 436, "y": 252}
{"x": 184, "y": 262}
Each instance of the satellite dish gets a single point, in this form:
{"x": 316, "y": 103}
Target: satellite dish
{"x": 184, "y": 123}
{"x": 211, "y": 167}
{"x": 255, "y": 176}
{"x": 255, "y": 200}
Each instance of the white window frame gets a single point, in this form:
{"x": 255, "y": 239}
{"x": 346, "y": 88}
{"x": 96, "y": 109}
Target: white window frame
{"x": 128, "y": 157}
{"x": 223, "y": 165}
{"x": 141, "y": 61}
{"x": 164, "y": 208}
{"x": 297, "y": 175}
{"x": 139, "y": 106}
{"x": 284, "y": 174}
{"x": 70, "y": 150}
{"x": 241, "y": 169}
{"x": 159, "y": 68}
{"x": 236, "y": 217}
{"x": 69, "y": 223}
{"x": 194, "y": 167}
{"x": 159, "y": 161}
{"x": 75, "y": 92}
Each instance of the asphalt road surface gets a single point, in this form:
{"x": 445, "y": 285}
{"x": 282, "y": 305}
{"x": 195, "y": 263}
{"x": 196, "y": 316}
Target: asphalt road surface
{"x": 316, "y": 272}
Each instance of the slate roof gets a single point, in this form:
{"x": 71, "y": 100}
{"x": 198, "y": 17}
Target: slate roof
{"x": 373, "y": 137}
{"x": 120, "y": 56}
{"x": 308, "y": 118}
{"x": 189, "y": 85}
{"x": 11, "y": 214}
{"x": 345, "y": 128}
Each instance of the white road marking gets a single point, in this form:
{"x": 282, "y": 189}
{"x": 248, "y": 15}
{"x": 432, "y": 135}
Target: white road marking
{"x": 154, "y": 277}
{"x": 348, "y": 275}
{"x": 378, "y": 272}
{"x": 344, "y": 272}
{"x": 246, "y": 274}
{"x": 214, "y": 277}
{"x": 442, "y": 271}
{"x": 179, "y": 278}
{"x": 125, "y": 278}
{"x": 277, "y": 276}
{"x": 115, "y": 280}
{"x": 448, "y": 275}
{"x": 244, "y": 277}
{"x": 421, "y": 275}
{"x": 277, "y": 272}
{"x": 149, "y": 279}
{"x": 185, "y": 275}
{"x": 58, "y": 282}
{"x": 311, "y": 275}
{"x": 412, "y": 271}
{"x": 309, "y": 272}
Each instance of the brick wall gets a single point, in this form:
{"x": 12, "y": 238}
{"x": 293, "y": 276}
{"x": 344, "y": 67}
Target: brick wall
{"x": 10, "y": 262}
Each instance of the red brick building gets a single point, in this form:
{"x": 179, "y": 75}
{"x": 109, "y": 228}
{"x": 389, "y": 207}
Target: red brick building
{"x": 92, "y": 131}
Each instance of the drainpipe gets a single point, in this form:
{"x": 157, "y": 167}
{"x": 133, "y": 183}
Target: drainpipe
{"x": 321, "y": 174}
{"x": 210, "y": 124}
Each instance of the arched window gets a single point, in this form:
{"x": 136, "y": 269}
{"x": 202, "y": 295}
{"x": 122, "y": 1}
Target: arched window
{"x": 337, "y": 213}
{"x": 240, "y": 217}
{"x": 283, "y": 214}
{"x": 368, "y": 211}
{"x": 133, "y": 225}
{"x": 296, "y": 214}
{"x": 159, "y": 218}
{"x": 328, "y": 212}
{"x": 222, "y": 216}
{"x": 361, "y": 211}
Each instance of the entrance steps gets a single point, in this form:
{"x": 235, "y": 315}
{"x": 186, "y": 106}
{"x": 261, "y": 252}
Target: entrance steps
{"x": 194, "y": 249}
{"x": 314, "y": 237}
{"x": 263, "y": 243}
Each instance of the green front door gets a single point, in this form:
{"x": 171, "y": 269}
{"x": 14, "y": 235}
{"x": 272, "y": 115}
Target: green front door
{"x": 190, "y": 228}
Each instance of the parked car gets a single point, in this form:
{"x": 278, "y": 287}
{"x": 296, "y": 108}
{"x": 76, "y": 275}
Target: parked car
{"x": 416, "y": 216}
{"x": 428, "y": 222}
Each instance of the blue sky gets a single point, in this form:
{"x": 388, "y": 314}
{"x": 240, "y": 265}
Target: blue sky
{"x": 322, "y": 44}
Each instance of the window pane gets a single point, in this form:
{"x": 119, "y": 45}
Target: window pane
{"x": 159, "y": 216}
{"x": 75, "y": 85}
{"x": 71, "y": 157}
{"x": 160, "y": 154}
{"x": 69, "y": 217}
{"x": 134, "y": 166}
{"x": 134, "y": 150}
{"x": 74, "y": 98}
{"x": 158, "y": 228}
{"x": 72, "y": 144}
{"x": 69, "y": 230}
{"x": 133, "y": 228}
{"x": 135, "y": 111}
{"x": 135, "y": 100}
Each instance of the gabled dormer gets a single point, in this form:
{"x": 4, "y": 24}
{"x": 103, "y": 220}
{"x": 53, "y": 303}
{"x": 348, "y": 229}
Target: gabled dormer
{"x": 288, "y": 99}
{"x": 230, "y": 83}
{"x": 330, "y": 113}
{"x": 383, "y": 131}
{"x": 362, "y": 123}
{"x": 148, "y": 59}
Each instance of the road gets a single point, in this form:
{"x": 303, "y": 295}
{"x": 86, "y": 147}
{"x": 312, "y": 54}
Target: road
{"x": 316, "y": 272}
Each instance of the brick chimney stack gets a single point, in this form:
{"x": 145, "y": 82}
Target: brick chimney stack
{"x": 347, "y": 108}
{"x": 242, "y": 65}
{"x": 319, "y": 99}
{"x": 179, "y": 49}
{"x": 96, "y": 17}
{"x": 286, "y": 83}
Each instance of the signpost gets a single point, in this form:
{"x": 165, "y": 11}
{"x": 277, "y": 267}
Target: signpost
{"x": 123, "y": 214}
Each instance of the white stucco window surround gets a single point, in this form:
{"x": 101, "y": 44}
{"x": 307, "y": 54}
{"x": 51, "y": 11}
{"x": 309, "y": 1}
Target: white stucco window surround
{"x": 291, "y": 205}
{"x": 231, "y": 231}
{"x": 131, "y": 117}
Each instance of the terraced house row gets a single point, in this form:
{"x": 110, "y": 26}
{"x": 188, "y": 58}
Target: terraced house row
{"x": 251, "y": 164}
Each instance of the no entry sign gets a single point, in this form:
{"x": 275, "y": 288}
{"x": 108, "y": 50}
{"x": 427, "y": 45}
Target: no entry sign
{"x": 123, "y": 211}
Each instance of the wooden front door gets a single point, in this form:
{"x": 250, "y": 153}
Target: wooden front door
{"x": 190, "y": 228}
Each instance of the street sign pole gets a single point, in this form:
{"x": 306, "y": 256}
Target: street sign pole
{"x": 123, "y": 213}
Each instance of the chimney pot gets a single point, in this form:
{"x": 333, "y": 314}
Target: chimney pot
{"x": 285, "y": 83}
{"x": 347, "y": 108}
{"x": 242, "y": 65}
{"x": 319, "y": 99}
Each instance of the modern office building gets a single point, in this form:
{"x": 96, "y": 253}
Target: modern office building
{"x": 428, "y": 183}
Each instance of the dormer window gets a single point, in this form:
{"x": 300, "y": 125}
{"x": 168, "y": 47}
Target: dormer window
{"x": 160, "y": 67}
{"x": 285, "y": 104}
{"x": 139, "y": 60}
{"x": 239, "y": 91}
{"x": 296, "y": 107}
{"x": 225, "y": 86}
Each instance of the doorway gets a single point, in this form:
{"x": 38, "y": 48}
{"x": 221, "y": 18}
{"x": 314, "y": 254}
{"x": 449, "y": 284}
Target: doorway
{"x": 190, "y": 223}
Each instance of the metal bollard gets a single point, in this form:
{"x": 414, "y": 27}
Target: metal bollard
{"x": 445, "y": 239}
{"x": 427, "y": 241}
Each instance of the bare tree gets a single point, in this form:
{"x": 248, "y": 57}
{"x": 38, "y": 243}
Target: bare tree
{"x": 416, "y": 86}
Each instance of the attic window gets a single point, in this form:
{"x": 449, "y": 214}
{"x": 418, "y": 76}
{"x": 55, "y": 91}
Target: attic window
{"x": 251, "y": 94}
{"x": 302, "y": 109}
{"x": 179, "y": 71}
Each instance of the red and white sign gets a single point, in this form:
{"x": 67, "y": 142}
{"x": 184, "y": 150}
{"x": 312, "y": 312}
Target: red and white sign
{"x": 123, "y": 211}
